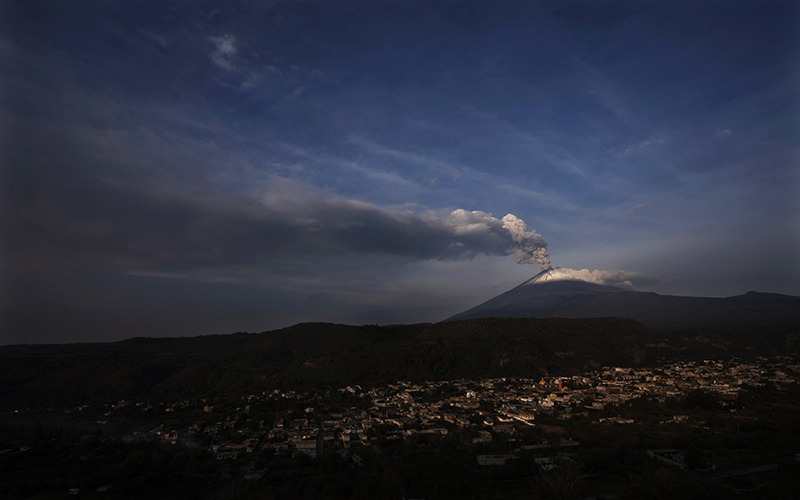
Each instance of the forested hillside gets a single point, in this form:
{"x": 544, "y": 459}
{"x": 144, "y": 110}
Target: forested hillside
{"x": 321, "y": 354}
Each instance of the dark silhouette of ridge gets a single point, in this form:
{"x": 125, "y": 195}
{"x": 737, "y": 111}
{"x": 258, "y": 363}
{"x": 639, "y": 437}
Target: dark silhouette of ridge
{"x": 540, "y": 297}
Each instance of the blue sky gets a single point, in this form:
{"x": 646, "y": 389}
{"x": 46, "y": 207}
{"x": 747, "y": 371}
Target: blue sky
{"x": 186, "y": 168}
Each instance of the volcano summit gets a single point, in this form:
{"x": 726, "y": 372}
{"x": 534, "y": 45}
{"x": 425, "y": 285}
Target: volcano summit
{"x": 569, "y": 293}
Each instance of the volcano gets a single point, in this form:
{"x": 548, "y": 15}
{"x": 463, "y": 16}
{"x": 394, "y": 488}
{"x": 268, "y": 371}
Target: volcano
{"x": 557, "y": 293}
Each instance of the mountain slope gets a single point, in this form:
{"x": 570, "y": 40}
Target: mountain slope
{"x": 546, "y": 296}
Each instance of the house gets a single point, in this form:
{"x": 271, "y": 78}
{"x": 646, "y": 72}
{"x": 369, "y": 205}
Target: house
{"x": 483, "y": 437}
{"x": 254, "y": 475}
{"x": 170, "y": 437}
{"x": 307, "y": 446}
{"x": 227, "y": 454}
{"x": 668, "y": 456}
{"x": 493, "y": 460}
{"x": 547, "y": 463}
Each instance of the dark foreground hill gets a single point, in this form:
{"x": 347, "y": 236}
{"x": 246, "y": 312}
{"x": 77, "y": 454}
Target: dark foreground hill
{"x": 537, "y": 298}
{"x": 320, "y": 354}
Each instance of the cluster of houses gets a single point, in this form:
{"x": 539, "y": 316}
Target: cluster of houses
{"x": 479, "y": 411}
{"x": 491, "y": 414}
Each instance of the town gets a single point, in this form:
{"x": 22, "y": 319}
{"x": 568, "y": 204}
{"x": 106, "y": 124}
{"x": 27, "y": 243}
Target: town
{"x": 686, "y": 417}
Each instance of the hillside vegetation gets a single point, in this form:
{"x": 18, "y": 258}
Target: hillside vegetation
{"x": 322, "y": 354}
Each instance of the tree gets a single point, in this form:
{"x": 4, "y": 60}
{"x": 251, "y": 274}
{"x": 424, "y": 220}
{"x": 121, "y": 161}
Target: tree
{"x": 563, "y": 482}
{"x": 699, "y": 398}
{"x": 694, "y": 460}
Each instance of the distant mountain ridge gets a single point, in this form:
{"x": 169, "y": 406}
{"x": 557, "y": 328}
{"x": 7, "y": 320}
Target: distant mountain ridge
{"x": 548, "y": 295}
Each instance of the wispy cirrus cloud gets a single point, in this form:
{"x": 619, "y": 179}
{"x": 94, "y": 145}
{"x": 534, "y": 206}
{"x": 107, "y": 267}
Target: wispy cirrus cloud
{"x": 644, "y": 144}
{"x": 225, "y": 52}
{"x": 723, "y": 132}
{"x": 633, "y": 208}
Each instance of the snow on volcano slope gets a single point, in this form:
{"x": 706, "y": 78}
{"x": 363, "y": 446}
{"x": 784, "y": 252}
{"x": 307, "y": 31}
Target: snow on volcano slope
{"x": 554, "y": 274}
{"x": 619, "y": 279}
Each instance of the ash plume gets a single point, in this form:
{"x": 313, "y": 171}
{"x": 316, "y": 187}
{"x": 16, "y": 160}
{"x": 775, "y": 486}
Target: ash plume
{"x": 532, "y": 248}
{"x": 479, "y": 232}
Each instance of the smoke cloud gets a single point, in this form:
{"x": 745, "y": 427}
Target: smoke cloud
{"x": 489, "y": 235}
{"x": 531, "y": 245}
{"x": 609, "y": 277}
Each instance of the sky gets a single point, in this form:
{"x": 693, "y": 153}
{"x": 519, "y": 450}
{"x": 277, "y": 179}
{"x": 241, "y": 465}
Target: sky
{"x": 191, "y": 168}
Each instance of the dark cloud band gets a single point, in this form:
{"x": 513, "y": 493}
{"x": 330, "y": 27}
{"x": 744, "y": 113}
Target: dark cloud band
{"x": 181, "y": 231}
